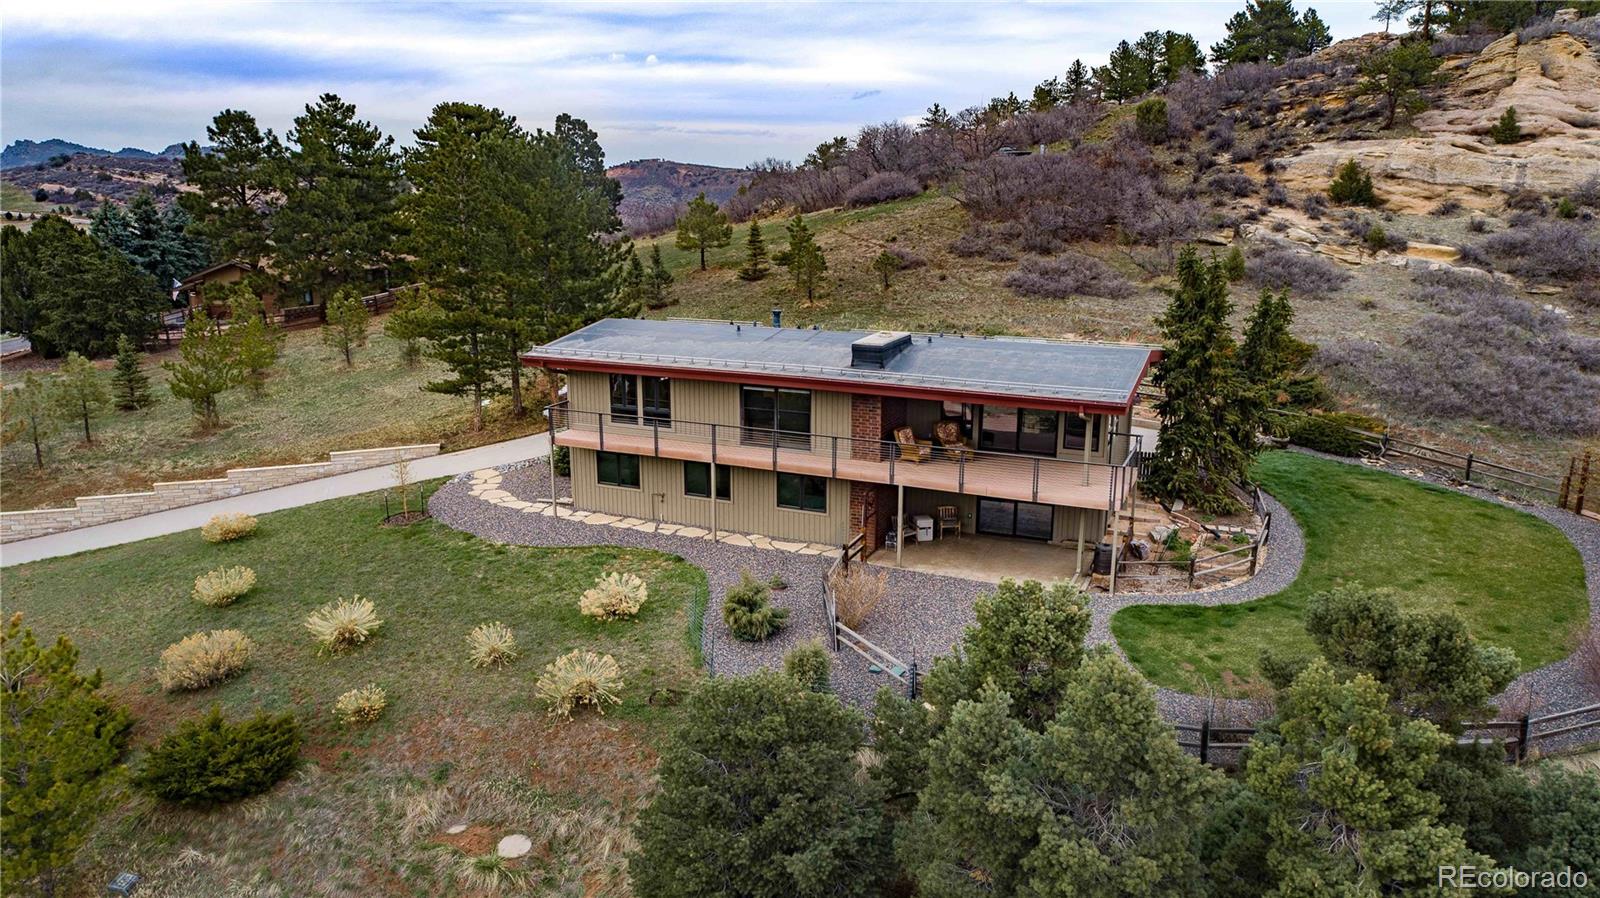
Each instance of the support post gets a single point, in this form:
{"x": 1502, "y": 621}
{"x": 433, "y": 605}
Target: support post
{"x": 1583, "y": 485}
{"x": 1088, "y": 439}
{"x": 1205, "y": 739}
{"x": 551, "y": 458}
{"x": 602, "y": 419}
{"x": 1469, "y": 467}
{"x": 1083, "y": 520}
{"x": 1524, "y": 733}
{"x": 713, "y": 498}
{"x": 899, "y": 522}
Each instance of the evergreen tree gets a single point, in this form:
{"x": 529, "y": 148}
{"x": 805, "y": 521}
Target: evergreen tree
{"x": 1270, "y": 31}
{"x": 1208, "y": 413}
{"x": 1399, "y": 76}
{"x": 81, "y": 395}
{"x": 129, "y": 383}
{"x": 937, "y": 118}
{"x": 66, "y": 292}
{"x": 207, "y": 366}
{"x": 657, "y": 280}
{"x": 633, "y": 276}
{"x": 1047, "y": 95}
{"x": 63, "y": 741}
{"x": 829, "y": 153}
{"x": 30, "y": 412}
{"x": 1180, "y": 56}
{"x": 1352, "y": 186}
{"x": 1390, "y": 10}
{"x": 235, "y": 189}
{"x": 407, "y": 324}
{"x": 803, "y": 258}
{"x": 339, "y": 183}
{"x": 156, "y": 241}
{"x": 346, "y": 328}
{"x": 1341, "y": 781}
{"x": 1506, "y": 130}
{"x": 1078, "y": 84}
{"x": 884, "y": 265}
{"x": 755, "y": 260}
{"x": 1150, "y": 119}
{"x": 1233, "y": 264}
{"x": 759, "y": 797}
{"x": 1124, "y": 76}
{"x": 1267, "y": 354}
{"x": 702, "y": 226}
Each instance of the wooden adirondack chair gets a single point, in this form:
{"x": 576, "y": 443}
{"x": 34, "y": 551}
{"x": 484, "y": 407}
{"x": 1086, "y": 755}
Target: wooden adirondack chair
{"x": 911, "y": 448}
{"x": 948, "y": 433}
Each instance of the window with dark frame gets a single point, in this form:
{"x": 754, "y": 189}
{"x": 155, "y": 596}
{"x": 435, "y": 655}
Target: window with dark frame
{"x": 802, "y": 492}
{"x": 617, "y": 469}
{"x": 657, "y": 400}
{"x": 697, "y": 481}
{"x": 1077, "y": 427}
{"x": 765, "y": 409}
{"x": 625, "y": 398}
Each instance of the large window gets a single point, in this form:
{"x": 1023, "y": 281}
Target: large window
{"x": 625, "y": 398}
{"x": 802, "y": 492}
{"x": 616, "y": 469}
{"x": 1007, "y": 429}
{"x": 765, "y": 409}
{"x": 697, "y": 480}
{"x": 1079, "y": 427}
{"x": 657, "y": 400}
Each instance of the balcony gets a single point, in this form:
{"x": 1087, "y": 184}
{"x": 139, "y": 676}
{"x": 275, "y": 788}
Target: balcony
{"x": 995, "y": 475}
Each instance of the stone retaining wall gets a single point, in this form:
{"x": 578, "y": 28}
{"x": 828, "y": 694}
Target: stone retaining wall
{"x": 90, "y": 510}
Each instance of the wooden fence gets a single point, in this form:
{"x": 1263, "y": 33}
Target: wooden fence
{"x": 838, "y": 635}
{"x": 170, "y": 332}
{"x": 1579, "y": 485}
{"x": 1518, "y": 738}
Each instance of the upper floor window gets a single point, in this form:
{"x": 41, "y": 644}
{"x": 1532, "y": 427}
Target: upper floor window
{"x": 1079, "y": 428}
{"x": 772, "y": 408}
{"x": 625, "y": 398}
{"x": 657, "y": 400}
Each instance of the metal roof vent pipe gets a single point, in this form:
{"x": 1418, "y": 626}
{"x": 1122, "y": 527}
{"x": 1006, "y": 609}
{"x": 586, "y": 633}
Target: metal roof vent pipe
{"x": 777, "y": 317}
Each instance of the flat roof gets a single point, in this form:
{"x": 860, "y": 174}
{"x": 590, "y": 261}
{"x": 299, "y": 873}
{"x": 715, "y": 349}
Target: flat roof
{"x": 1017, "y": 367}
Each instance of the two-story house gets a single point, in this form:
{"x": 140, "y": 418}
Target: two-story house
{"x": 817, "y": 435}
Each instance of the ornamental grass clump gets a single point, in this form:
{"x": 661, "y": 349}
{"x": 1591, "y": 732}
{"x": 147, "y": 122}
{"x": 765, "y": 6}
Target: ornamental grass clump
{"x": 493, "y": 645}
{"x": 228, "y": 527}
{"x": 344, "y": 624}
{"x": 749, "y": 613}
{"x": 614, "y": 596}
{"x": 220, "y": 587}
{"x": 202, "y": 659}
{"x": 580, "y": 678}
{"x": 363, "y": 705}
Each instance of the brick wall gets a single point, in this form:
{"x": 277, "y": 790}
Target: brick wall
{"x": 90, "y": 510}
{"x": 866, "y": 426}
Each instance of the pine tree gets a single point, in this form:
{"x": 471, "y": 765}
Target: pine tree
{"x": 346, "y": 328}
{"x": 1078, "y": 85}
{"x": 1399, "y": 76}
{"x": 1233, "y": 264}
{"x": 81, "y": 395}
{"x": 207, "y": 366}
{"x": 1270, "y": 31}
{"x": 235, "y": 191}
{"x": 755, "y": 263}
{"x": 30, "y": 412}
{"x": 1506, "y": 130}
{"x": 1124, "y": 76}
{"x": 1208, "y": 413}
{"x": 63, "y": 741}
{"x": 702, "y": 226}
{"x": 1180, "y": 56}
{"x": 657, "y": 280}
{"x": 156, "y": 241}
{"x": 803, "y": 258}
{"x": 884, "y": 265}
{"x": 129, "y": 383}
{"x": 760, "y": 797}
{"x": 256, "y": 341}
{"x": 1352, "y": 186}
{"x": 407, "y": 322}
{"x": 937, "y": 118}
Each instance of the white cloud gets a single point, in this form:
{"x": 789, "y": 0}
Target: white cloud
{"x": 651, "y": 60}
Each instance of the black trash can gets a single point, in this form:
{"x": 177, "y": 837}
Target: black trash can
{"x": 1102, "y": 558}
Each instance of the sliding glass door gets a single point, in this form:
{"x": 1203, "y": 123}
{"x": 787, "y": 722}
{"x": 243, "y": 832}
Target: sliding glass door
{"x": 1027, "y": 430}
{"x": 1025, "y": 519}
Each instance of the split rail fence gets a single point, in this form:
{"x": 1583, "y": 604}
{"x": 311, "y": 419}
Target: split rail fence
{"x": 840, "y": 636}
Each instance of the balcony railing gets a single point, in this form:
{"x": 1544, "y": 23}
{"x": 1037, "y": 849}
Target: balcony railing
{"x": 999, "y": 475}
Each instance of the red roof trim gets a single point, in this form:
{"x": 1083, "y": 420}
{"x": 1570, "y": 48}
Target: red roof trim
{"x": 534, "y": 360}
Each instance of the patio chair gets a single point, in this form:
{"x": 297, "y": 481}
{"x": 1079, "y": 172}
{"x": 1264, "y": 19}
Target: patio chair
{"x": 948, "y": 433}
{"x": 911, "y": 448}
{"x": 949, "y": 518}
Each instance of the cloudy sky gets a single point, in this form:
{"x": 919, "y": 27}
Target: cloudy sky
{"x": 715, "y": 83}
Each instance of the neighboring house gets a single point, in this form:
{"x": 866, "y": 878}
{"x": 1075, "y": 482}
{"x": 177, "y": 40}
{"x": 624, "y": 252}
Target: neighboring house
{"x": 815, "y": 436}
{"x": 192, "y": 289}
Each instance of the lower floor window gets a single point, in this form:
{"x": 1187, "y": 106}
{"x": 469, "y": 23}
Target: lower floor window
{"x": 616, "y": 469}
{"x": 803, "y": 492}
{"x": 697, "y": 480}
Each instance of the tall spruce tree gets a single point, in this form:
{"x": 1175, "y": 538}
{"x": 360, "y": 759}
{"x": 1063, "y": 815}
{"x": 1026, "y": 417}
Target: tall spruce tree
{"x": 1267, "y": 354}
{"x": 1124, "y": 76}
{"x": 339, "y": 181}
{"x": 1078, "y": 85}
{"x": 803, "y": 258}
{"x": 63, "y": 743}
{"x": 156, "y": 241}
{"x": 702, "y": 227}
{"x": 235, "y": 190}
{"x": 657, "y": 280}
{"x": 70, "y": 293}
{"x": 129, "y": 384}
{"x": 81, "y": 394}
{"x": 1208, "y": 413}
{"x": 755, "y": 259}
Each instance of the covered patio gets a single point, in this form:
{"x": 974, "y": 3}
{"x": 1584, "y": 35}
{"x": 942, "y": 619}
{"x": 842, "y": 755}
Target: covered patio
{"x": 984, "y": 558}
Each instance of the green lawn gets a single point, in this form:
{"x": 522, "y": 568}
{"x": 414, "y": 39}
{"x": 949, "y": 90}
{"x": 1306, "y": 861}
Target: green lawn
{"x": 1514, "y": 578}
{"x": 457, "y": 744}
{"x": 312, "y": 404}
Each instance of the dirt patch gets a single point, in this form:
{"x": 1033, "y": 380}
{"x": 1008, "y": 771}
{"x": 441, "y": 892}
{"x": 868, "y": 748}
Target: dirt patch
{"x": 474, "y": 841}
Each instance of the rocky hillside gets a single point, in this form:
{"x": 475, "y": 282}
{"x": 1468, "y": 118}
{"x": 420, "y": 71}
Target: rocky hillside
{"x": 35, "y": 152}
{"x": 654, "y": 189}
{"x": 84, "y": 181}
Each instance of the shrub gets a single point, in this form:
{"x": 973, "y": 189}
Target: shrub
{"x": 1447, "y": 206}
{"x": 1279, "y": 267}
{"x": 908, "y": 259}
{"x": 1352, "y": 186}
{"x": 227, "y": 527}
{"x": 361, "y": 705}
{"x": 1332, "y": 434}
{"x": 1522, "y": 199}
{"x": 614, "y": 596}
{"x": 1565, "y": 208}
{"x": 561, "y": 460}
{"x": 343, "y": 624}
{"x": 809, "y": 665}
{"x": 221, "y": 586}
{"x": 1067, "y": 275}
{"x": 201, "y": 659}
{"x": 1314, "y": 206}
{"x": 857, "y": 591}
{"x": 580, "y": 678}
{"x": 748, "y": 610}
{"x": 1150, "y": 117}
{"x": 1233, "y": 183}
{"x": 1477, "y": 224}
{"x": 1233, "y": 264}
{"x": 1587, "y": 193}
{"x": 1506, "y": 130}
{"x": 493, "y": 645}
{"x": 881, "y": 188}
{"x": 1567, "y": 250}
{"x": 211, "y": 761}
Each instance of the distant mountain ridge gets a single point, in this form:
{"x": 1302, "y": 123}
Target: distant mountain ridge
{"x": 23, "y": 153}
{"x": 654, "y": 189}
